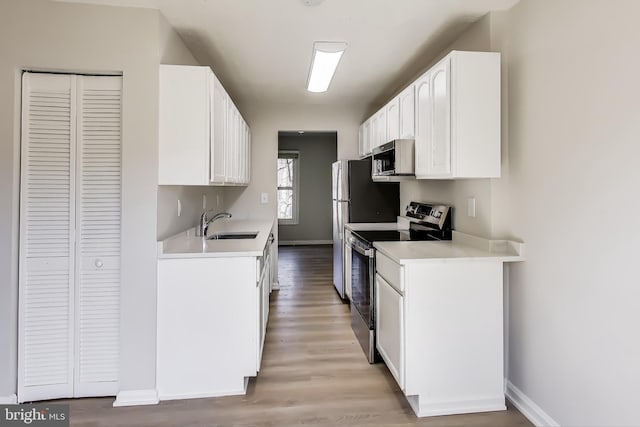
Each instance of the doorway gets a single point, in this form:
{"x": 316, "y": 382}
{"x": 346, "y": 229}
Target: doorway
{"x": 304, "y": 187}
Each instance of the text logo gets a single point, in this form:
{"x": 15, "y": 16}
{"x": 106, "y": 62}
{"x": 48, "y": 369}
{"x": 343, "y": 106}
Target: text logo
{"x": 34, "y": 415}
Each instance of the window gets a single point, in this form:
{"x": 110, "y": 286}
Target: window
{"x": 288, "y": 163}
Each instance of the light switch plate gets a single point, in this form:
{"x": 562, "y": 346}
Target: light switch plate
{"x": 264, "y": 198}
{"x": 471, "y": 207}
{"x": 179, "y": 207}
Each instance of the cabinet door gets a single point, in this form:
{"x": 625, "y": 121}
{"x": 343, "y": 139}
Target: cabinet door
{"x": 184, "y": 128}
{"x": 407, "y": 99}
{"x": 265, "y": 297}
{"x": 241, "y": 151}
{"x": 366, "y": 138}
{"x": 423, "y": 124}
{"x": 232, "y": 143}
{"x": 393, "y": 120}
{"x": 375, "y": 131}
{"x": 248, "y": 159}
{"x": 440, "y": 140}
{"x": 262, "y": 297}
{"x": 245, "y": 154}
{"x": 390, "y": 328}
{"x": 382, "y": 127}
{"x": 360, "y": 141}
{"x": 219, "y": 131}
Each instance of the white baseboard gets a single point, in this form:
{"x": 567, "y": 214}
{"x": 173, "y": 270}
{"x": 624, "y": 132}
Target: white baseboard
{"x": 12, "y": 399}
{"x": 528, "y": 407}
{"x": 426, "y": 408}
{"x": 136, "y": 397}
{"x": 304, "y": 242}
{"x": 204, "y": 395}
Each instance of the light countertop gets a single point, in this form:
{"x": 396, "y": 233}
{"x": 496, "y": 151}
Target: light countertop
{"x": 188, "y": 245}
{"x": 463, "y": 247}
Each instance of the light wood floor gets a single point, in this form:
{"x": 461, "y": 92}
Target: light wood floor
{"x": 313, "y": 371}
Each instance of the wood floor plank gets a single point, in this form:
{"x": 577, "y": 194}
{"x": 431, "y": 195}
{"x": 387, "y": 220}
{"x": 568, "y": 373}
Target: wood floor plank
{"x": 313, "y": 372}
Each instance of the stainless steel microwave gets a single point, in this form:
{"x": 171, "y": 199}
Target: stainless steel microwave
{"x": 394, "y": 159}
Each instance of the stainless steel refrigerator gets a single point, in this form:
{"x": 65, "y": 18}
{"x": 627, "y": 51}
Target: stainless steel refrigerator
{"x": 356, "y": 198}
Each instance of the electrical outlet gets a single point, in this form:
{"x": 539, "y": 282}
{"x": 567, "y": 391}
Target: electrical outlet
{"x": 179, "y": 207}
{"x": 217, "y": 201}
{"x": 264, "y": 198}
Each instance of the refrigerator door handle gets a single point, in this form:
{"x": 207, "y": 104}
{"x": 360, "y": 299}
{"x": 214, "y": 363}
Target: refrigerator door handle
{"x": 343, "y": 216}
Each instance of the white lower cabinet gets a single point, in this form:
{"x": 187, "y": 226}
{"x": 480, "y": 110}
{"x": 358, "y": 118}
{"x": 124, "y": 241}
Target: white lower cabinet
{"x": 212, "y": 316}
{"x": 440, "y": 331}
{"x": 390, "y": 328}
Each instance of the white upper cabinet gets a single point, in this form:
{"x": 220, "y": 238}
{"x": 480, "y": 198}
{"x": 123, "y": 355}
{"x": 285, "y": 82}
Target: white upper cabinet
{"x": 366, "y": 141}
{"x": 423, "y": 112}
{"x": 458, "y": 117}
{"x": 407, "y": 117}
{"x": 393, "y": 120}
{"x": 453, "y": 113}
{"x": 218, "y": 116}
{"x": 379, "y": 129}
{"x": 401, "y": 115}
{"x": 201, "y": 131}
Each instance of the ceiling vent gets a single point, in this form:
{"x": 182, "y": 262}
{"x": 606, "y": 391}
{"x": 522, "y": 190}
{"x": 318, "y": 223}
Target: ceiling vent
{"x": 312, "y": 2}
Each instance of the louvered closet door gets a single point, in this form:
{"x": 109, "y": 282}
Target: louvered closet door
{"x": 46, "y": 292}
{"x": 98, "y": 197}
{"x": 69, "y": 237}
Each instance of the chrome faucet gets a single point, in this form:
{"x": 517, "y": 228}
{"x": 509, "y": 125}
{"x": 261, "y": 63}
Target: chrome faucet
{"x": 203, "y": 226}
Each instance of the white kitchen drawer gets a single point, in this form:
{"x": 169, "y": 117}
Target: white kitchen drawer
{"x": 390, "y": 271}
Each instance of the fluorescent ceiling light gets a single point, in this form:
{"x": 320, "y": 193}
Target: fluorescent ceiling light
{"x": 326, "y": 56}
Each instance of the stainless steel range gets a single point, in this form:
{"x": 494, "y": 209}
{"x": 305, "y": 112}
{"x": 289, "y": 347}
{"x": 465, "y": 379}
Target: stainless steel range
{"x": 429, "y": 222}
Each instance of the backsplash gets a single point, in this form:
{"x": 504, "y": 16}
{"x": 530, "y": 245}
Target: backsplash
{"x": 169, "y": 223}
{"x": 455, "y": 193}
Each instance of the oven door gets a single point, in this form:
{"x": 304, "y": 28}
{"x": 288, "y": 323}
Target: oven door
{"x": 362, "y": 281}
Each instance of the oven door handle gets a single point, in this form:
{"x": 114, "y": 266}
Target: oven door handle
{"x": 366, "y": 252}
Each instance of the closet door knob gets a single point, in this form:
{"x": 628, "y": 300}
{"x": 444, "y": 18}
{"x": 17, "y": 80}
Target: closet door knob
{"x": 98, "y": 263}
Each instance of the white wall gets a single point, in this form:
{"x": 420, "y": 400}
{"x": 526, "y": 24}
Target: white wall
{"x": 265, "y": 121}
{"x": 57, "y": 36}
{"x": 572, "y": 192}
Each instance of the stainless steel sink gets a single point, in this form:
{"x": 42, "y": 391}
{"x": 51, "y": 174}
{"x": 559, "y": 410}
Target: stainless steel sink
{"x": 227, "y": 235}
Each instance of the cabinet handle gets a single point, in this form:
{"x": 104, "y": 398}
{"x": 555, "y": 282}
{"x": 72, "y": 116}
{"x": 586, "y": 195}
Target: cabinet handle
{"x": 98, "y": 263}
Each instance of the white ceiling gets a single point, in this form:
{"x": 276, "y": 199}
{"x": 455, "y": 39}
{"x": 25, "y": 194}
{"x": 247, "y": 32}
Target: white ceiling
{"x": 261, "y": 49}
